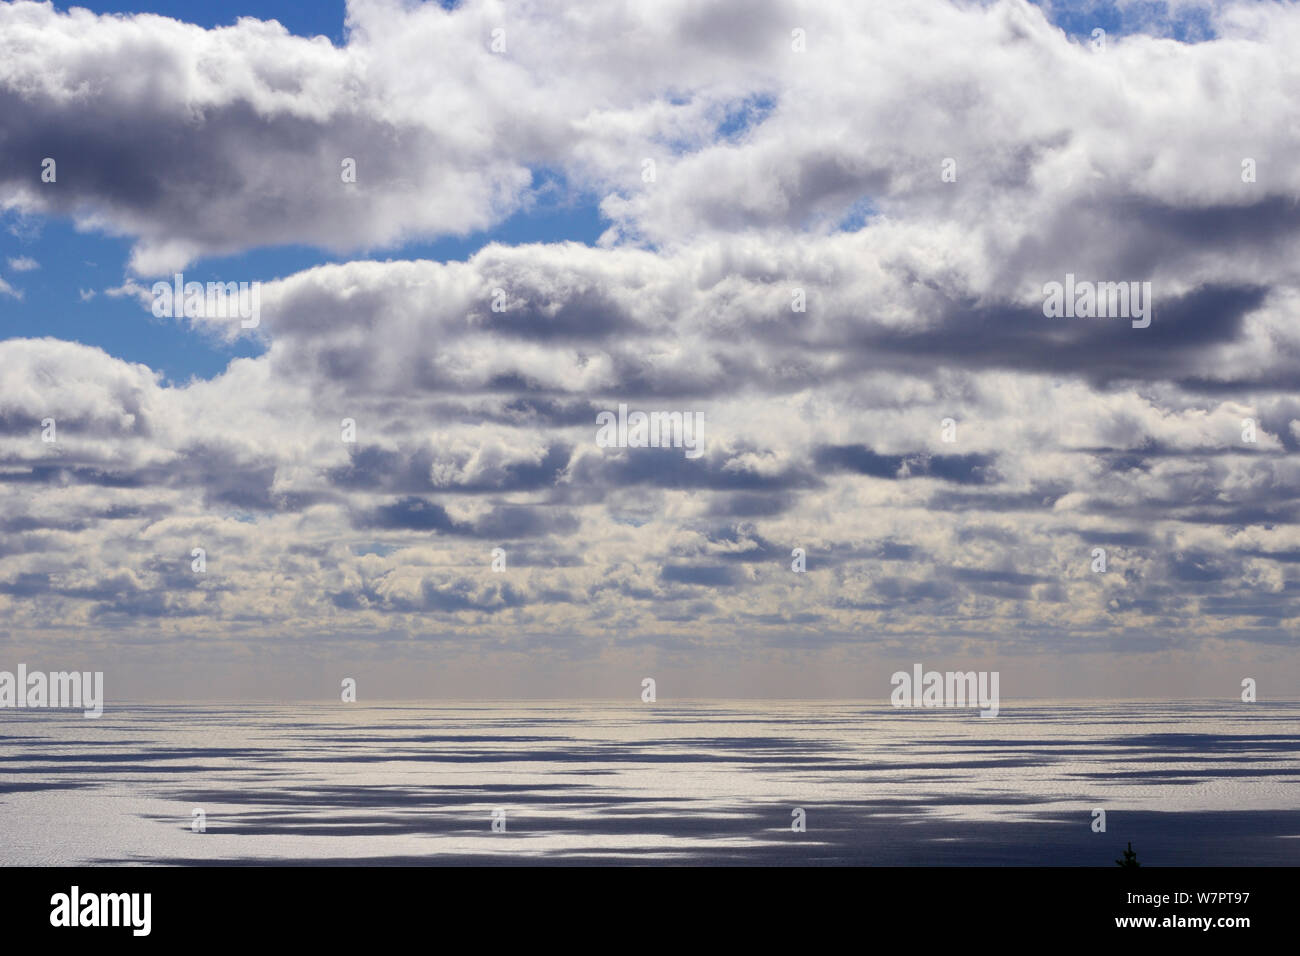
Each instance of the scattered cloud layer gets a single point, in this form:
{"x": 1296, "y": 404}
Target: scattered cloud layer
{"x": 863, "y": 334}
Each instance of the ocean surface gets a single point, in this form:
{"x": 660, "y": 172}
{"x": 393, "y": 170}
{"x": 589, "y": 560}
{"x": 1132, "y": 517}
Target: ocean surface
{"x": 598, "y": 782}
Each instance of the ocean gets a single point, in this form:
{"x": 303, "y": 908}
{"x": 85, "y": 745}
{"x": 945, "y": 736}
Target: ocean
{"x": 625, "y": 782}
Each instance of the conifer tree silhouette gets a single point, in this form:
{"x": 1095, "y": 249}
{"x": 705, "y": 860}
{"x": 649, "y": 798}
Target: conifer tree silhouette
{"x": 1130, "y": 860}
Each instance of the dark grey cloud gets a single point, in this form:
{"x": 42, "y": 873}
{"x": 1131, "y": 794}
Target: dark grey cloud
{"x": 973, "y": 469}
{"x": 713, "y": 576}
{"x": 502, "y": 522}
{"x": 450, "y": 597}
{"x": 411, "y": 471}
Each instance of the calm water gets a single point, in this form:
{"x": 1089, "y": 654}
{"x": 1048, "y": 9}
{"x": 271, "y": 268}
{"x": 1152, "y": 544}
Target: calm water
{"x": 701, "y": 781}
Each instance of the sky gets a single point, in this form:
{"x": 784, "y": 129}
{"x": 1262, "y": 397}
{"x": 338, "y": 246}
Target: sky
{"x": 826, "y": 231}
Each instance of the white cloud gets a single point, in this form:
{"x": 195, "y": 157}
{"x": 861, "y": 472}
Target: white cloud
{"x": 246, "y": 127}
{"x": 476, "y": 427}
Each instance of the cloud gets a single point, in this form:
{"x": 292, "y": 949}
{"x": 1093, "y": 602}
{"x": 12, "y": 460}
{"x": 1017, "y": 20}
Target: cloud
{"x": 244, "y": 131}
{"x": 797, "y": 271}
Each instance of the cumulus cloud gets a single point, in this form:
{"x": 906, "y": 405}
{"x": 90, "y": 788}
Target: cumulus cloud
{"x": 228, "y": 138}
{"x": 863, "y": 334}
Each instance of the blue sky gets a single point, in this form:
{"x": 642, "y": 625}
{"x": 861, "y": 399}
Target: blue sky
{"x": 72, "y": 262}
{"x": 307, "y": 19}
